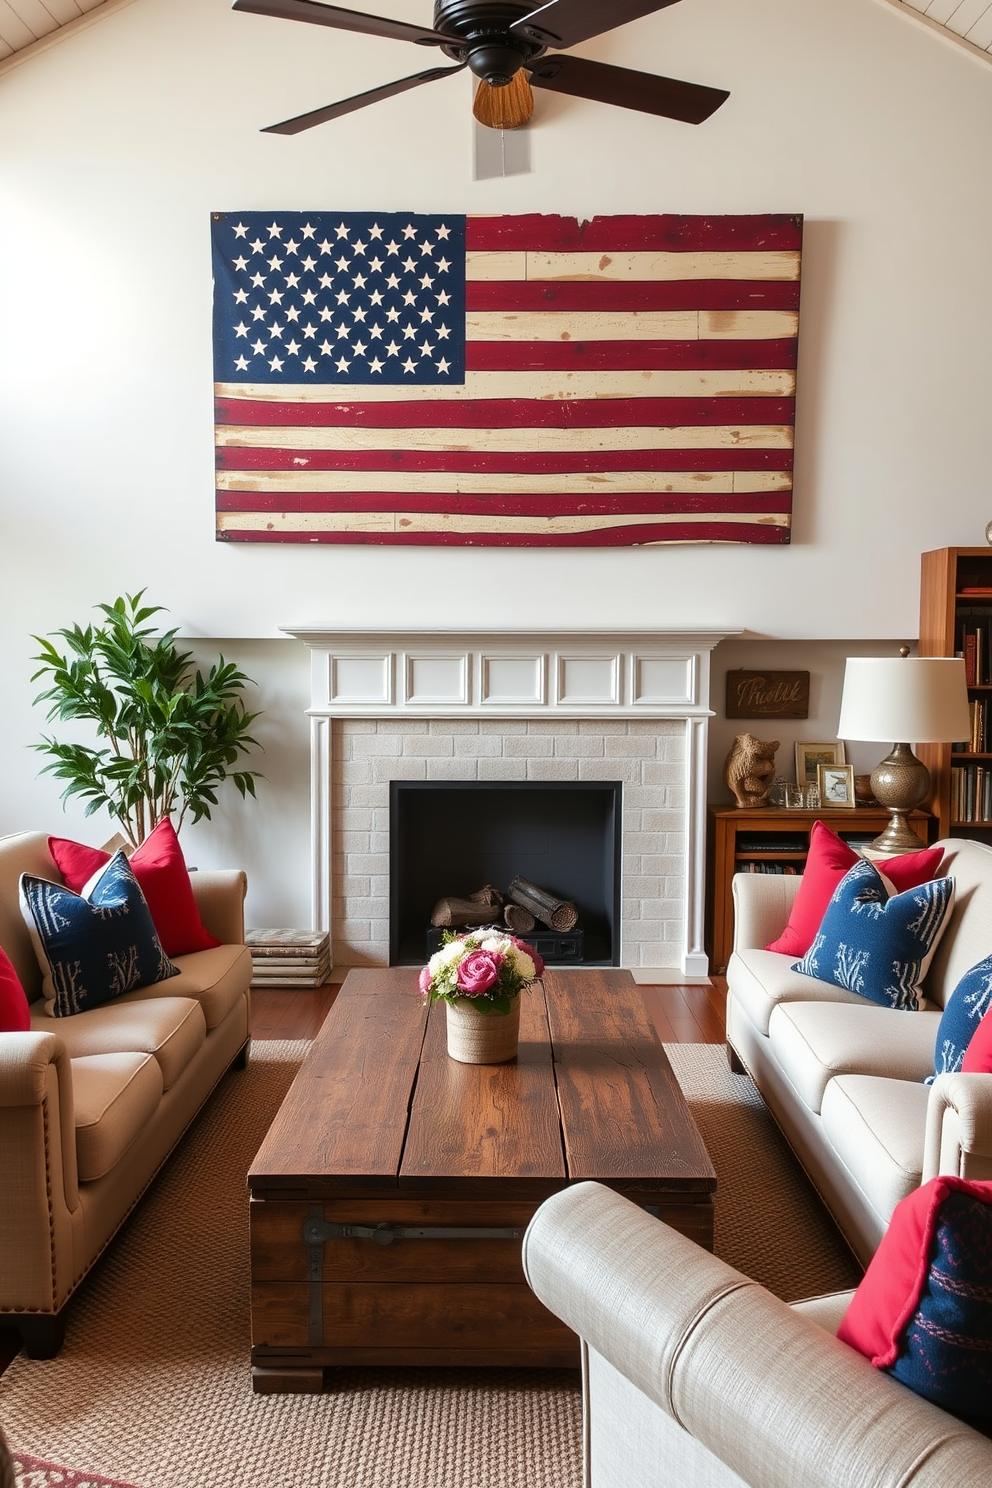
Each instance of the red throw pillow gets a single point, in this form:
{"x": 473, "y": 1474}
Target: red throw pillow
{"x": 923, "y": 1310}
{"x": 160, "y": 868}
{"x": 827, "y": 861}
{"x": 15, "y": 1016}
{"x": 978, "y": 1055}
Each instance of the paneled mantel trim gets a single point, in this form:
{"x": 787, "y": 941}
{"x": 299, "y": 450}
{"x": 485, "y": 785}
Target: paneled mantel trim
{"x": 511, "y": 673}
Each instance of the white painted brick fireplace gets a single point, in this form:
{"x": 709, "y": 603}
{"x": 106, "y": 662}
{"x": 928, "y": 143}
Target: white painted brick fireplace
{"x": 553, "y": 706}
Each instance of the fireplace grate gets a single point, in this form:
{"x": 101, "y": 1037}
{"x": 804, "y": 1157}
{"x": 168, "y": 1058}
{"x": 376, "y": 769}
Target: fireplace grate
{"x": 561, "y": 949}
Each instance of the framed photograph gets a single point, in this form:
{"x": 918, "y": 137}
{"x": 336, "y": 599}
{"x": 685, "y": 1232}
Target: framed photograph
{"x": 836, "y": 784}
{"x": 810, "y": 756}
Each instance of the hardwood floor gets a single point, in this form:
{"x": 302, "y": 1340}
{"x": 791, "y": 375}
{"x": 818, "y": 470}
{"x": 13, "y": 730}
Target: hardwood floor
{"x": 681, "y": 1015}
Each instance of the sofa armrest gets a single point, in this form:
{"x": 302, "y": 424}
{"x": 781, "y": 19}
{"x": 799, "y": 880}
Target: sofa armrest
{"x": 38, "y": 1167}
{"x": 220, "y": 898}
{"x": 762, "y": 905}
{"x": 959, "y": 1127}
{"x": 761, "y": 1388}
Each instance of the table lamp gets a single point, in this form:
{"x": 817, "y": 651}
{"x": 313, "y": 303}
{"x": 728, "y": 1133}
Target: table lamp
{"x": 922, "y": 698}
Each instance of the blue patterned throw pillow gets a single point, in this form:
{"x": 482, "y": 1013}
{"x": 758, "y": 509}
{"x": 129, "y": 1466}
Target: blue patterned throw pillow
{"x": 95, "y": 945}
{"x": 946, "y": 1348}
{"x": 877, "y": 946}
{"x": 923, "y": 1310}
{"x": 966, "y": 1007}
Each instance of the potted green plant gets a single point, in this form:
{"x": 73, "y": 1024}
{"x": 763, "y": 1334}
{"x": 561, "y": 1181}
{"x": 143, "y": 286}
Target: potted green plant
{"x": 170, "y": 736}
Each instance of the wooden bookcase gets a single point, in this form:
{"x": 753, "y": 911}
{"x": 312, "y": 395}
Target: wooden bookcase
{"x": 775, "y": 838}
{"x": 960, "y": 776}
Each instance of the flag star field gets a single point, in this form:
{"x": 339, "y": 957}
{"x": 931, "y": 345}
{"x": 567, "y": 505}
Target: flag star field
{"x": 362, "y": 297}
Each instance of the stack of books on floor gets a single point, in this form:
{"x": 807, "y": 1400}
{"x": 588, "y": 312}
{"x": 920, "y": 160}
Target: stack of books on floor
{"x": 289, "y": 958}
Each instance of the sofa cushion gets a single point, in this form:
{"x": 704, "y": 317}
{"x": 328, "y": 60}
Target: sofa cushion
{"x": 762, "y": 979}
{"x": 876, "y": 1127}
{"x": 876, "y": 945}
{"x": 827, "y": 1312}
{"x": 160, "y": 868}
{"x": 15, "y": 1016}
{"x": 924, "y": 1309}
{"x": 215, "y": 979}
{"x": 964, "y": 1011}
{"x": 171, "y": 1029}
{"x": 114, "y": 1095}
{"x": 814, "y": 1041}
{"x": 827, "y": 861}
{"x": 95, "y": 945}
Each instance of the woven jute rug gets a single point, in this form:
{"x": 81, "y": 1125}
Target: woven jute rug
{"x": 153, "y": 1384}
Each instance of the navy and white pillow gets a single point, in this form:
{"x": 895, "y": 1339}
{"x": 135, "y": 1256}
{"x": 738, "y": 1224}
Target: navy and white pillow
{"x": 966, "y": 1007}
{"x": 876, "y": 945}
{"x": 95, "y": 945}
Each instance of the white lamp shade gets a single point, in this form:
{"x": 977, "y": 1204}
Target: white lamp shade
{"x": 905, "y": 700}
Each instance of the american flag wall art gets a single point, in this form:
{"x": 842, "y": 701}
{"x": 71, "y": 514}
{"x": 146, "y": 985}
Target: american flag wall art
{"x": 513, "y": 381}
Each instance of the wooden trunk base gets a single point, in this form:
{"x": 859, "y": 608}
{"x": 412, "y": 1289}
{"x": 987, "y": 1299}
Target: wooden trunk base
{"x": 284, "y": 1381}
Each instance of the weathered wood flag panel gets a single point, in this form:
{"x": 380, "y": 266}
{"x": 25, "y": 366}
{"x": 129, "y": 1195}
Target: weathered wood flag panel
{"x": 514, "y": 381}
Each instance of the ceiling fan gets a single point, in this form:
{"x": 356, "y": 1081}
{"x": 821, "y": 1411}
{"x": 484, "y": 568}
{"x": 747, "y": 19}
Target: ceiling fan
{"x": 504, "y": 43}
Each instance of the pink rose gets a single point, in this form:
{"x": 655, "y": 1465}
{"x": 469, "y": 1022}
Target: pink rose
{"x": 477, "y": 973}
{"x": 425, "y": 980}
{"x": 529, "y": 951}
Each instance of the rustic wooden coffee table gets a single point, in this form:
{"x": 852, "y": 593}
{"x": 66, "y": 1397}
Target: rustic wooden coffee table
{"x": 390, "y": 1196}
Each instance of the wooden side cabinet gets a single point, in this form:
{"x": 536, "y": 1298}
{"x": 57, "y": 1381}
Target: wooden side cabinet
{"x": 770, "y": 839}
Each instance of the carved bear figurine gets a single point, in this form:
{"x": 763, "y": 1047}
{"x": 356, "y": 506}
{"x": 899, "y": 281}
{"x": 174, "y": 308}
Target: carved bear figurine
{"x": 750, "y": 769}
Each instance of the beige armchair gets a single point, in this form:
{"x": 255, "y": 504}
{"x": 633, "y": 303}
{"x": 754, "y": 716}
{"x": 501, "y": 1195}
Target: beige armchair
{"x": 695, "y": 1376}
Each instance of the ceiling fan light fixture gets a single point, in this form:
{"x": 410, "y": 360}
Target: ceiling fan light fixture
{"x": 506, "y": 107}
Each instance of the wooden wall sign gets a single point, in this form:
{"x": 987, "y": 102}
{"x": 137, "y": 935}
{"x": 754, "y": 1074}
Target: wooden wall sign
{"x": 767, "y": 694}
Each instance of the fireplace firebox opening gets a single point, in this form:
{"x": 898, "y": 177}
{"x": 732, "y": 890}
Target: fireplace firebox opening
{"x": 452, "y": 837}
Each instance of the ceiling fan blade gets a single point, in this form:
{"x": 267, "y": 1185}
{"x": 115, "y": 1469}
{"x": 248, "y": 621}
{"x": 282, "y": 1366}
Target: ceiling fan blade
{"x": 563, "y": 23}
{"x": 358, "y": 101}
{"x": 644, "y": 91}
{"x": 342, "y": 20}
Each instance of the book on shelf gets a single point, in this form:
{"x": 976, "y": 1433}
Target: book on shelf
{"x": 971, "y": 793}
{"x": 974, "y": 638}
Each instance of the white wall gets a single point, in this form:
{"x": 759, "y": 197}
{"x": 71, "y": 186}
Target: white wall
{"x": 119, "y": 142}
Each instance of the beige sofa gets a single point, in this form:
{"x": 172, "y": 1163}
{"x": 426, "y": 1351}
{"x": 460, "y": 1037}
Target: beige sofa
{"x": 91, "y": 1105}
{"x": 695, "y": 1376}
{"x": 844, "y": 1078}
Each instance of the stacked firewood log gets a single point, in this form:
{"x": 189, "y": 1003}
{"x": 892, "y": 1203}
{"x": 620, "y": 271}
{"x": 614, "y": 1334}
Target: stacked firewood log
{"x": 519, "y": 909}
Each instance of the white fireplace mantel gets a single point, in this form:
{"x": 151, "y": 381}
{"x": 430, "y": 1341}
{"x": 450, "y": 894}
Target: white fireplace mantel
{"x": 515, "y": 674}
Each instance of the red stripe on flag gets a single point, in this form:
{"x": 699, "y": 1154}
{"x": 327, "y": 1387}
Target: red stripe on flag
{"x": 671, "y": 234}
{"x": 629, "y": 356}
{"x": 617, "y": 537}
{"x": 508, "y": 413}
{"x": 674, "y": 294}
{"x": 238, "y": 457}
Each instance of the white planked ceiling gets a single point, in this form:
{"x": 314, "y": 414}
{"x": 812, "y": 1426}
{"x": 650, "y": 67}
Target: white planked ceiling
{"x": 965, "y": 22}
{"x": 29, "y": 26}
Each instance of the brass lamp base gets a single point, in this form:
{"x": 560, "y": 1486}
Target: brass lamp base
{"x": 900, "y": 782}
